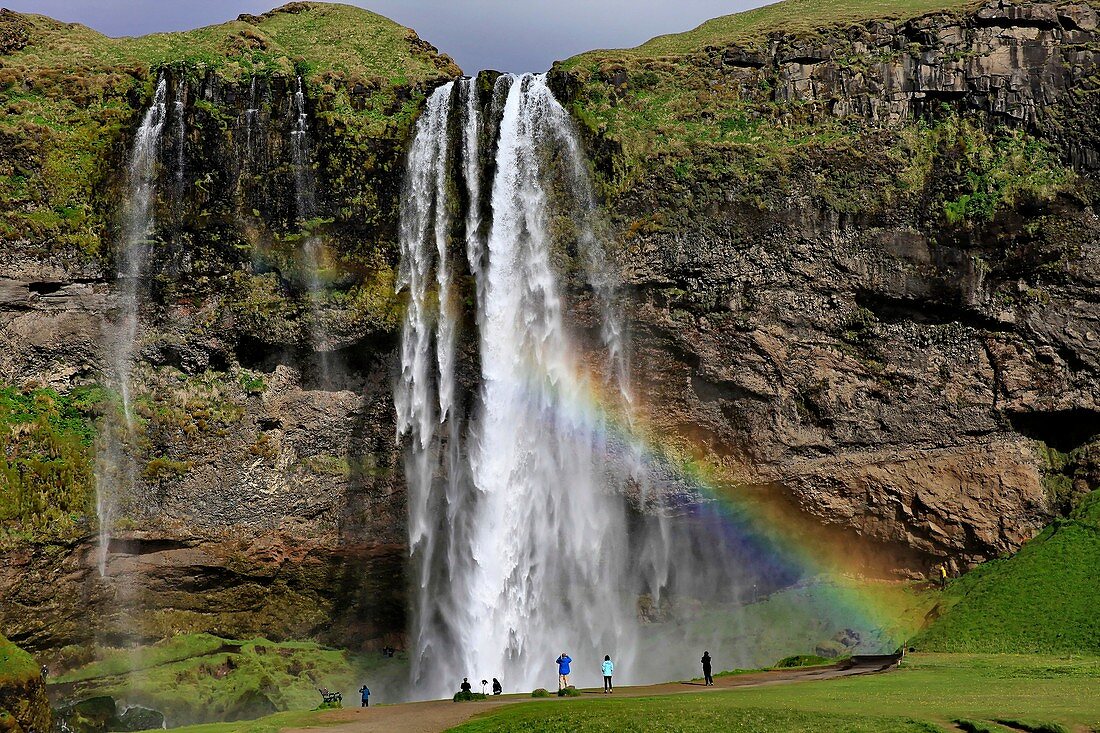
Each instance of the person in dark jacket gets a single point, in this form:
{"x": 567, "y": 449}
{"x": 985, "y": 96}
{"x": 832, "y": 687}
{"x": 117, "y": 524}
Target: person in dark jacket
{"x": 707, "y": 679}
{"x": 497, "y": 689}
{"x": 465, "y": 686}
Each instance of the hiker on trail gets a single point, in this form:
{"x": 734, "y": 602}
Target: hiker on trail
{"x": 497, "y": 689}
{"x": 465, "y": 687}
{"x": 563, "y": 670}
{"x": 365, "y": 692}
{"x": 608, "y": 670}
{"x": 943, "y": 575}
{"x": 707, "y": 679}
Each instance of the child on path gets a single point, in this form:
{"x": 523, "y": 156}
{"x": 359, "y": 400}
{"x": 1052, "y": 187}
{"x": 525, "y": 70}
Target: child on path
{"x": 608, "y": 670}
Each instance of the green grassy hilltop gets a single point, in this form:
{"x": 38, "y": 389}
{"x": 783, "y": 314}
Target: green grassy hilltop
{"x": 684, "y": 116}
{"x": 69, "y": 95}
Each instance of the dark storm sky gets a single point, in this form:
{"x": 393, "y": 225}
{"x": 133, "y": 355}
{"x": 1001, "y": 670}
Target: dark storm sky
{"x": 507, "y": 35}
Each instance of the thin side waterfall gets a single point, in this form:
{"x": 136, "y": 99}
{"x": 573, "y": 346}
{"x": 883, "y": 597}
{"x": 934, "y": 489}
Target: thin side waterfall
{"x": 517, "y": 529}
{"x": 115, "y": 470}
{"x": 306, "y": 210}
{"x": 250, "y": 117}
{"x": 181, "y": 129}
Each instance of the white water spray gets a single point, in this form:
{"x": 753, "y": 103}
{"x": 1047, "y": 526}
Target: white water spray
{"x": 181, "y": 129}
{"x": 306, "y": 201}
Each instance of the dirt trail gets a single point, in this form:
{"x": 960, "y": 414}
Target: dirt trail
{"x": 439, "y": 715}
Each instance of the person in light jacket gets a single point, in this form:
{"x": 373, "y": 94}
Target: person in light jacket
{"x": 608, "y": 670}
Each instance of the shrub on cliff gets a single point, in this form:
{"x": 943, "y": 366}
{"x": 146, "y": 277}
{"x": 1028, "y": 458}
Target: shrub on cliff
{"x": 46, "y": 462}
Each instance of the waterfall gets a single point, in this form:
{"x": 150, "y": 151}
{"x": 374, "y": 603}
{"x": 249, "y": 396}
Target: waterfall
{"x": 250, "y": 117}
{"x": 115, "y": 470}
{"x": 181, "y": 130}
{"x": 517, "y": 529}
{"x": 306, "y": 210}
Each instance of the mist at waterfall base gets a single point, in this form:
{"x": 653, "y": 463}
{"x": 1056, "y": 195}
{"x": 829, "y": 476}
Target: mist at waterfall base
{"x": 539, "y": 520}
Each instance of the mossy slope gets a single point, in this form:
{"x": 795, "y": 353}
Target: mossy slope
{"x": 23, "y": 704}
{"x": 1042, "y": 599}
{"x": 200, "y": 677}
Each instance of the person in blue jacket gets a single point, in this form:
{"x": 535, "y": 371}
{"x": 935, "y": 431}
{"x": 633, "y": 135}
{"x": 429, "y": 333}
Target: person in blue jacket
{"x": 364, "y": 692}
{"x": 608, "y": 670}
{"x": 563, "y": 670}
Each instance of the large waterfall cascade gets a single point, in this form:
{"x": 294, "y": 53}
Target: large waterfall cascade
{"x": 519, "y": 528}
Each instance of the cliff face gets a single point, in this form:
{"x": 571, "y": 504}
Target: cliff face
{"x": 868, "y": 279}
{"x": 860, "y": 264}
{"x": 264, "y": 498}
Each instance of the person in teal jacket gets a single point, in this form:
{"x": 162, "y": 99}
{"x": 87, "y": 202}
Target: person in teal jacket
{"x": 563, "y": 670}
{"x": 608, "y": 670}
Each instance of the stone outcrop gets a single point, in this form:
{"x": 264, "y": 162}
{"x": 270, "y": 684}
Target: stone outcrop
{"x": 24, "y": 707}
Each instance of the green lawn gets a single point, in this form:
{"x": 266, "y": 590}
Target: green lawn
{"x": 929, "y": 692}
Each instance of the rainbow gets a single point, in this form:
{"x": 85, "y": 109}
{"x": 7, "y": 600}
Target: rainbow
{"x": 783, "y": 541}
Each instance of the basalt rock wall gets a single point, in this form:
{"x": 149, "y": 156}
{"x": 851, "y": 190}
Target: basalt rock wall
{"x": 266, "y": 499}
{"x": 860, "y": 267}
{"x": 908, "y": 364}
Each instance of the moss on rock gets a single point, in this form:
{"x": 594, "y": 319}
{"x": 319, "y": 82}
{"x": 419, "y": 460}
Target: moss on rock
{"x": 46, "y": 462}
{"x": 23, "y": 704}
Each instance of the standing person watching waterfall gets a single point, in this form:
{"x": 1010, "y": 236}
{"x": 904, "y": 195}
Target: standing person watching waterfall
{"x": 608, "y": 670}
{"x": 563, "y": 670}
